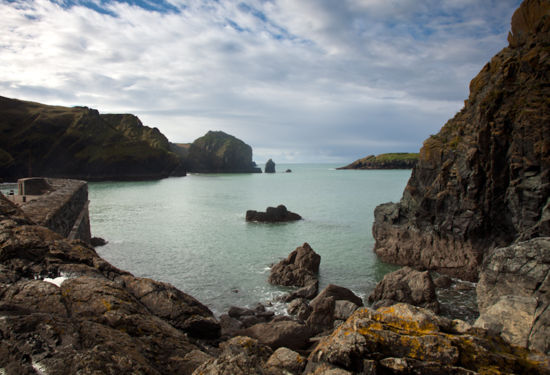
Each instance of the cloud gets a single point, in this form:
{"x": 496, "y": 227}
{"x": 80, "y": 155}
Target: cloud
{"x": 309, "y": 80}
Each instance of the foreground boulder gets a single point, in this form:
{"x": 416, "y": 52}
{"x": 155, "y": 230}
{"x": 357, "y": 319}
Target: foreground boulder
{"x": 513, "y": 293}
{"x": 65, "y": 310}
{"x": 404, "y": 339}
{"x": 300, "y": 268}
{"x": 406, "y": 285}
{"x": 324, "y": 309}
{"x": 483, "y": 181}
{"x": 272, "y": 215}
{"x": 288, "y": 333}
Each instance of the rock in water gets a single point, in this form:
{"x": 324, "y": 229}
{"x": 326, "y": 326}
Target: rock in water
{"x": 272, "y": 215}
{"x": 406, "y": 285}
{"x": 513, "y": 293}
{"x": 269, "y": 166}
{"x": 298, "y": 269}
{"x": 484, "y": 179}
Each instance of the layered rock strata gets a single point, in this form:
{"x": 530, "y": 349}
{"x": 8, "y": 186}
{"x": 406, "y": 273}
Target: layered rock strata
{"x": 484, "y": 179}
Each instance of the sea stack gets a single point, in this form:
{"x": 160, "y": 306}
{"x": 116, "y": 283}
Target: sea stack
{"x": 484, "y": 180}
{"x": 270, "y": 166}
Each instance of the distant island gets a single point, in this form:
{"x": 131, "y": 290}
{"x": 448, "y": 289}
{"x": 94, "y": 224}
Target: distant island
{"x": 79, "y": 142}
{"x": 398, "y": 160}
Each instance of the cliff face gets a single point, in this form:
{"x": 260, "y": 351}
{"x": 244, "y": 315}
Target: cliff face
{"x": 218, "y": 152}
{"x": 483, "y": 180}
{"x": 400, "y": 160}
{"x": 79, "y": 142}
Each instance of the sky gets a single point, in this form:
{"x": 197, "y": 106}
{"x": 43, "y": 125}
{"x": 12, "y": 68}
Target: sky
{"x": 298, "y": 80}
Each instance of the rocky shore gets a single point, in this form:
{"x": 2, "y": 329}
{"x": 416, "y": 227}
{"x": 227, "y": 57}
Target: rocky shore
{"x": 476, "y": 206}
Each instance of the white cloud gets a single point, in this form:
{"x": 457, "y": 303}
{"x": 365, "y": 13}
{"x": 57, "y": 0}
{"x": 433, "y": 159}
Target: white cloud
{"x": 313, "y": 79}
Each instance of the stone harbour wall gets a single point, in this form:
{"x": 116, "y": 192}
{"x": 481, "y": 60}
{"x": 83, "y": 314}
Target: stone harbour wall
{"x": 63, "y": 207}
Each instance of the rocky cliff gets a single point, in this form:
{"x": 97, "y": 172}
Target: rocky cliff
{"x": 400, "y": 160}
{"x": 79, "y": 142}
{"x": 218, "y": 152}
{"x": 484, "y": 180}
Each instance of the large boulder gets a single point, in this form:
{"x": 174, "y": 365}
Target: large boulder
{"x": 406, "y": 285}
{"x": 300, "y": 268}
{"x": 272, "y": 215}
{"x": 240, "y": 356}
{"x": 513, "y": 293}
{"x": 288, "y": 333}
{"x": 483, "y": 181}
{"x": 324, "y": 307}
{"x": 404, "y": 339}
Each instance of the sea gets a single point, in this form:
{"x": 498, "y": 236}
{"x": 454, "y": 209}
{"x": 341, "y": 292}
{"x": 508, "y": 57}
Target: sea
{"x": 191, "y": 231}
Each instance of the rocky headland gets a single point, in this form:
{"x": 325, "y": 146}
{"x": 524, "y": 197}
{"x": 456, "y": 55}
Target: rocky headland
{"x": 218, "y": 152}
{"x": 399, "y": 160}
{"x": 81, "y": 143}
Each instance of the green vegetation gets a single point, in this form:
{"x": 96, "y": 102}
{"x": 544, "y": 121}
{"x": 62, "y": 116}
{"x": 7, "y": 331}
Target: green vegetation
{"x": 79, "y": 142}
{"x": 396, "y": 160}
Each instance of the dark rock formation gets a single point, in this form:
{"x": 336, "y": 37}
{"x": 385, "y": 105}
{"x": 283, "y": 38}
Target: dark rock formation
{"x": 300, "y": 268}
{"x": 400, "y": 160}
{"x": 308, "y": 292}
{"x": 269, "y": 166}
{"x": 218, "y": 152}
{"x": 484, "y": 179}
{"x": 272, "y": 215}
{"x": 323, "y": 307}
{"x": 404, "y": 339}
{"x": 513, "y": 293}
{"x": 81, "y": 143}
{"x": 97, "y": 242}
{"x": 288, "y": 171}
{"x": 65, "y": 310}
{"x": 406, "y": 285}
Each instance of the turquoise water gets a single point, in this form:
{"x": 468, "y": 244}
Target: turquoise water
{"x": 191, "y": 231}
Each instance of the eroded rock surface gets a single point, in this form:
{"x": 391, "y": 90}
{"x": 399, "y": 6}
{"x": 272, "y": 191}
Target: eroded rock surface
{"x": 484, "y": 179}
{"x": 404, "y": 339}
{"x": 513, "y": 293}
